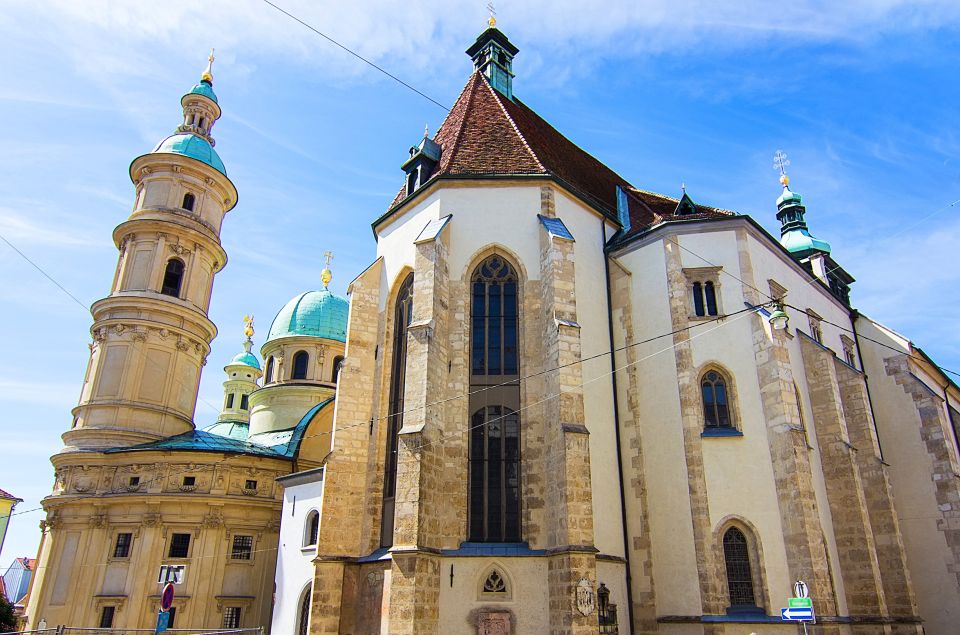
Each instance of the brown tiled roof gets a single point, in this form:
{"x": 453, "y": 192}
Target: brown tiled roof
{"x": 486, "y": 133}
{"x": 648, "y": 209}
{"x": 8, "y": 495}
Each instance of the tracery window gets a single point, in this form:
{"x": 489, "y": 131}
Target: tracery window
{"x": 494, "y": 583}
{"x": 300, "y": 362}
{"x": 736, "y": 555}
{"x": 716, "y": 406}
{"x": 172, "y": 278}
{"x": 403, "y": 314}
{"x": 494, "y": 454}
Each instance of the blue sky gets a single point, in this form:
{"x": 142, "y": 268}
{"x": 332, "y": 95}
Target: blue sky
{"x": 862, "y": 97}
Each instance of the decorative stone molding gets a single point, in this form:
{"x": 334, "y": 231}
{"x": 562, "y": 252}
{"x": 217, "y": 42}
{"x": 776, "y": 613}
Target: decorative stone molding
{"x": 179, "y": 249}
{"x": 151, "y": 519}
{"x": 138, "y": 335}
{"x": 213, "y": 519}
{"x": 182, "y": 345}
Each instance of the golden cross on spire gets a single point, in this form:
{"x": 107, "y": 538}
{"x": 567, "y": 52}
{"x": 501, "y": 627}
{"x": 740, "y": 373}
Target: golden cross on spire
{"x": 492, "y": 20}
{"x": 780, "y": 162}
{"x": 208, "y": 72}
{"x": 248, "y": 326}
{"x": 326, "y": 275}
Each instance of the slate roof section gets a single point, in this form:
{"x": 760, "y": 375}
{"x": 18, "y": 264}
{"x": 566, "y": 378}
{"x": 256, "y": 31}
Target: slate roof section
{"x": 487, "y": 134}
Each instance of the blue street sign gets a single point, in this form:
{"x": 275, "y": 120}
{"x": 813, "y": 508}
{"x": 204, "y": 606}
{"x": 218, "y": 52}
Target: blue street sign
{"x": 796, "y": 615}
{"x": 163, "y": 620}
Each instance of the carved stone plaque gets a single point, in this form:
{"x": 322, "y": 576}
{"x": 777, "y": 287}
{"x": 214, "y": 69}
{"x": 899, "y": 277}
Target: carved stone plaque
{"x": 586, "y": 598}
{"x": 494, "y": 623}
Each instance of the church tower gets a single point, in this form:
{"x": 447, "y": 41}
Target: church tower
{"x": 242, "y": 372}
{"x": 151, "y": 335}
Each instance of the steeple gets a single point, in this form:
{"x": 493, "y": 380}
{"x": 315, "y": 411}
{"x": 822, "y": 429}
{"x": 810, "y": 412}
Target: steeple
{"x": 200, "y": 107}
{"x": 243, "y": 371}
{"x": 492, "y": 56}
{"x": 794, "y": 234}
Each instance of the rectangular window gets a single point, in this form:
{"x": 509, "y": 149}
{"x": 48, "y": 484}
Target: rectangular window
{"x": 231, "y": 617}
{"x": 189, "y": 481}
{"x": 242, "y": 547}
{"x": 122, "y": 548}
{"x": 106, "y": 616}
{"x": 134, "y": 481}
{"x": 250, "y": 485}
{"x": 229, "y": 401}
{"x": 179, "y": 546}
{"x": 244, "y": 402}
{"x": 815, "y": 331}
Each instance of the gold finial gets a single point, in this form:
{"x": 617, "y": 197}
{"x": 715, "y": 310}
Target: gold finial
{"x": 426, "y": 130}
{"x": 492, "y": 20}
{"x": 326, "y": 275}
{"x": 780, "y": 162}
{"x": 248, "y": 326}
{"x": 207, "y": 75}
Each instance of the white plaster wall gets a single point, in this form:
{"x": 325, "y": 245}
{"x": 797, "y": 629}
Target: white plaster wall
{"x": 294, "y": 562}
{"x": 525, "y": 580}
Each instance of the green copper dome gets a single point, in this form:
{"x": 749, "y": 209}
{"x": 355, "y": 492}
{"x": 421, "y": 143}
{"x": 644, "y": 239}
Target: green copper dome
{"x": 205, "y": 89}
{"x": 788, "y": 196}
{"x": 799, "y": 241}
{"x": 190, "y": 145}
{"x": 248, "y": 359}
{"x": 314, "y": 314}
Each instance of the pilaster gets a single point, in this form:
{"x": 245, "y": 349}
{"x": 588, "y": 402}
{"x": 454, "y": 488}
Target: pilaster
{"x": 568, "y": 494}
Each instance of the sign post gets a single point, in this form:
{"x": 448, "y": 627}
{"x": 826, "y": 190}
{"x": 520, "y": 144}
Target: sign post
{"x": 166, "y": 601}
{"x": 800, "y": 608}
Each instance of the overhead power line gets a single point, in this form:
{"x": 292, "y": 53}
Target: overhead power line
{"x": 356, "y": 55}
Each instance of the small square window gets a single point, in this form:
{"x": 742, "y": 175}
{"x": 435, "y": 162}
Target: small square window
{"x": 106, "y": 616}
{"x": 122, "y": 548}
{"x": 250, "y": 485}
{"x": 231, "y": 617}
{"x": 134, "y": 481}
{"x": 189, "y": 481}
{"x": 242, "y": 548}
{"x": 179, "y": 546}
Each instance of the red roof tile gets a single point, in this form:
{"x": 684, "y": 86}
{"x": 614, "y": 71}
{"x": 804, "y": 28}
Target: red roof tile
{"x": 8, "y": 495}
{"x": 648, "y": 209}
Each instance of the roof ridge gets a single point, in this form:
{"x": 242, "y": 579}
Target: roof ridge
{"x": 677, "y": 200}
{"x": 513, "y": 124}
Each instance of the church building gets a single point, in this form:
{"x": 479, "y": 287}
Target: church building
{"x": 554, "y": 402}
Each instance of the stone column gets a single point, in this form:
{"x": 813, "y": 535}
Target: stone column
{"x": 569, "y": 500}
{"x": 878, "y": 493}
{"x": 415, "y": 579}
{"x": 340, "y": 538}
{"x": 856, "y": 549}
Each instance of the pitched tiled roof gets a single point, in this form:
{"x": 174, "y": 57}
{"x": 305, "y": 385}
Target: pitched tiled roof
{"x": 488, "y": 134}
{"x": 648, "y": 209}
{"x": 9, "y": 496}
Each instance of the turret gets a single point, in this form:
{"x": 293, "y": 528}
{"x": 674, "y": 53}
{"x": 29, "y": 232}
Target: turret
{"x": 492, "y": 56}
{"x": 151, "y": 335}
{"x": 243, "y": 371}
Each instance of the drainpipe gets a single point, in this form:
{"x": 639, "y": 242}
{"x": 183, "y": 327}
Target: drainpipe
{"x": 854, "y": 316}
{"x": 616, "y": 428}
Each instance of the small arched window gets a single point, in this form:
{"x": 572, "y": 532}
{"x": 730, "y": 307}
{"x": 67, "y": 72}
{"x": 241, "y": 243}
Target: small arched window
{"x": 173, "y": 278}
{"x": 202, "y": 121}
{"x": 711, "y": 297}
{"x": 188, "y": 200}
{"x": 716, "y": 407}
{"x": 268, "y": 375}
{"x": 300, "y": 362}
{"x": 312, "y": 529}
{"x": 303, "y": 614}
{"x": 337, "y": 362}
{"x": 736, "y": 556}
{"x": 698, "y": 299}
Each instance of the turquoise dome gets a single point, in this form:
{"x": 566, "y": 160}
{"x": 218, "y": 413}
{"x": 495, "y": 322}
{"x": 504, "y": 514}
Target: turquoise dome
{"x": 205, "y": 89}
{"x": 248, "y": 359}
{"x": 788, "y": 196}
{"x": 190, "y": 145}
{"x": 799, "y": 241}
{"x": 314, "y": 314}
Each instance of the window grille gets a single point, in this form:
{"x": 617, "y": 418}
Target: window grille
{"x": 122, "y": 548}
{"x": 179, "y": 546}
{"x": 242, "y": 548}
{"x": 231, "y": 617}
{"x": 736, "y": 554}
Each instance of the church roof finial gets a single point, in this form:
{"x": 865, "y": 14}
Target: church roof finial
{"x": 207, "y": 75}
{"x": 780, "y": 162}
{"x": 492, "y": 20}
{"x": 326, "y": 275}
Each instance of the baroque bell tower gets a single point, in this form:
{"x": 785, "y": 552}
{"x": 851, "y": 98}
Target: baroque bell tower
{"x": 151, "y": 334}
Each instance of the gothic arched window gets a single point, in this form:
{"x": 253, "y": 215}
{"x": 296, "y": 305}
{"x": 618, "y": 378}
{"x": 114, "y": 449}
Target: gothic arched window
{"x": 303, "y": 613}
{"x": 268, "y": 374}
{"x": 403, "y": 314}
{"x": 716, "y": 406}
{"x": 495, "y": 475}
{"x": 300, "y": 362}
{"x": 736, "y": 556}
{"x": 188, "y": 201}
{"x": 172, "y": 278}
{"x": 494, "y": 455}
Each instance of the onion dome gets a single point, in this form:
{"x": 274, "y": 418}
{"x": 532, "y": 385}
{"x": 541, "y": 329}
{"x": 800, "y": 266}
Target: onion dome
{"x": 314, "y": 313}
{"x": 794, "y": 234}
